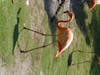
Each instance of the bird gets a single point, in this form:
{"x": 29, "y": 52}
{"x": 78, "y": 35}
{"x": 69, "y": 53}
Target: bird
{"x": 64, "y": 35}
{"x": 93, "y": 3}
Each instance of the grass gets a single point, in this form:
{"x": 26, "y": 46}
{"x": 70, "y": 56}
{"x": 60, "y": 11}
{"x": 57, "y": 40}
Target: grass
{"x": 8, "y": 20}
{"x": 84, "y": 41}
{"x": 86, "y": 38}
{"x": 6, "y": 27}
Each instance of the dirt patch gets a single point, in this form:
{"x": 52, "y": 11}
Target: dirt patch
{"x": 24, "y": 66}
{"x": 20, "y": 67}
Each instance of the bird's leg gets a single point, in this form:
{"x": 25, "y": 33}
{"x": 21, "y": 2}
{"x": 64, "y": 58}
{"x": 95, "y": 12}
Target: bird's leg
{"x": 30, "y": 50}
{"x": 43, "y": 34}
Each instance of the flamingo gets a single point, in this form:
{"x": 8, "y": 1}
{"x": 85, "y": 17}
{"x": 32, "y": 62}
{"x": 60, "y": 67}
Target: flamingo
{"x": 93, "y": 3}
{"x": 65, "y": 35}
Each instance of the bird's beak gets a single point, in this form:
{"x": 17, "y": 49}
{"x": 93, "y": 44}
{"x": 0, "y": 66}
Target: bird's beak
{"x": 58, "y": 54}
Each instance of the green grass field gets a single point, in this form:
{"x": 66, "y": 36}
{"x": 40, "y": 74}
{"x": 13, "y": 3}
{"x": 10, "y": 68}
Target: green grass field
{"x": 9, "y": 27}
{"x": 86, "y": 38}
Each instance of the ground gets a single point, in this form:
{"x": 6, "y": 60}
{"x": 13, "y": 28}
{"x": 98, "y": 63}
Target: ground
{"x": 41, "y": 16}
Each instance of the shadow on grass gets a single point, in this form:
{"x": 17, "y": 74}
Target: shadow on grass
{"x": 52, "y": 18}
{"x": 52, "y": 24}
{"x": 95, "y": 30}
{"x": 16, "y": 31}
{"x": 80, "y": 16}
{"x": 58, "y": 9}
